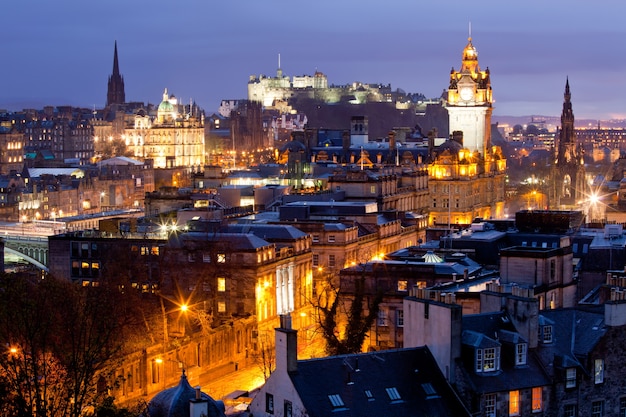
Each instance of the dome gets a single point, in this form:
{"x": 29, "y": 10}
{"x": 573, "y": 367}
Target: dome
{"x": 430, "y": 257}
{"x": 174, "y": 402}
{"x": 166, "y": 105}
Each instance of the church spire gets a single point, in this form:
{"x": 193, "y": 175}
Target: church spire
{"x": 116, "y": 68}
{"x": 115, "y": 91}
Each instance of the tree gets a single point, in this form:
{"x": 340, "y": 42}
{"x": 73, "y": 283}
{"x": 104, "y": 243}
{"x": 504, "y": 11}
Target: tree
{"x": 61, "y": 339}
{"x": 359, "y": 315}
{"x": 265, "y": 357}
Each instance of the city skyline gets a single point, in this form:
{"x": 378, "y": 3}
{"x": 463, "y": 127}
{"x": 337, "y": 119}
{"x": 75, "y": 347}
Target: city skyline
{"x": 61, "y": 53}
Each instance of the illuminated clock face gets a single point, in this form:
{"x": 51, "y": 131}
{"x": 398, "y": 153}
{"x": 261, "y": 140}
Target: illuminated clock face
{"x": 467, "y": 93}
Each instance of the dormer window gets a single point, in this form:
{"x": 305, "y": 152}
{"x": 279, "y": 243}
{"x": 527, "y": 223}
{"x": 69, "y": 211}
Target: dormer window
{"x": 520, "y": 353}
{"x": 487, "y": 359}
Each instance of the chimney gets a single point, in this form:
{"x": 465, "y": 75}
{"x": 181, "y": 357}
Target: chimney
{"x": 198, "y": 406}
{"x": 286, "y": 346}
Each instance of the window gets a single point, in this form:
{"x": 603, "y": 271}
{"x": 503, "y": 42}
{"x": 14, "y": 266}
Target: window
{"x": 331, "y": 238}
{"x": 598, "y": 371}
{"x": 429, "y": 390}
{"x": 335, "y": 400}
{"x": 316, "y": 238}
{"x": 269, "y": 403}
{"x": 537, "y": 398}
{"x": 570, "y": 378}
{"x": 221, "y": 258}
{"x": 597, "y": 408}
{"x": 316, "y": 260}
{"x": 331, "y": 261}
{"x": 622, "y": 407}
{"x": 288, "y": 409}
{"x": 547, "y": 334}
{"x": 154, "y": 250}
{"x": 487, "y": 359}
{"x": 569, "y": 410}
{"x": 206, "y": 258}
{"x": 221, "y": 307}
{"x": 372, "y": 189}
{"x": 520, "y": 357}
{"x": 514, "y": 403}
{"x": 490, "y": 405}
{"x": 490, "y": 359}
{"x": 400, "y": 318}
{"x": 221, "y": 284}
{"x": 402, "y": 285}
{"x": 369, "y": 395}
{"x": 393, "y": 394}
{"x": 382, "y": 318}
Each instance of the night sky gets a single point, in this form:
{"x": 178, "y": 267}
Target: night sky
{"x": 61, "y": 52}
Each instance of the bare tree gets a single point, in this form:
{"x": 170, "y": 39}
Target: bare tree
{"x": 265, "y": 356}
{"x": 336, "y": 307}
{"x": 61, "y": 338}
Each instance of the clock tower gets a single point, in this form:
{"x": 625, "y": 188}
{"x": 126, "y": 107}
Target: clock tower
{"x": 469, "y": 102}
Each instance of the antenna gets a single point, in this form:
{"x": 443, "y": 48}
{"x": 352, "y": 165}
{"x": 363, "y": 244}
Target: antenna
{"x": 279, "y": 60}
{"x": 470, "y": 29}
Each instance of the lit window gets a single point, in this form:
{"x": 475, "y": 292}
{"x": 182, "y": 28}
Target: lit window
{"x": 598, "y": 371}
{"x": 537, "y": 399}
{"x": 490, "y": 405}
{"x": 514, "y": 403}
{"x": 490, "y": 359}
{"x": 570, "y": 378}
{"x": 221, "y": 307}
{"x": 144, "y": 250}
{"x": 520, "y": 357}
{"x": 221, "y": 258}
{"x": 402, "y": 285}
{"x": 155, "y": 250}
{"x": 221, "y": 284}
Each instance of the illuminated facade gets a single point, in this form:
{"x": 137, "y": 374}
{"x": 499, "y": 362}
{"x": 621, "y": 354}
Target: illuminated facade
{"x": 174, "y": 138}
{"x": 469, "y": 102}
{"x": 466, "y": 175}
{"x": 12, "y": 150}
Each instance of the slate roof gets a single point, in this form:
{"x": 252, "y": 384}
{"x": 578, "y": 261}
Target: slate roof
{"x": 269, "y": 232}
{"x": 174, "y": 402}
{"x": 234, "y": 241}
{"x": 489, "y": 330}
{"x": 404, "y": 382}
{"x": 575, "y": 333}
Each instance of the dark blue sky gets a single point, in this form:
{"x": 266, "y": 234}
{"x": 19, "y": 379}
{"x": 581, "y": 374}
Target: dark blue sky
{"x": 60, "y": 52}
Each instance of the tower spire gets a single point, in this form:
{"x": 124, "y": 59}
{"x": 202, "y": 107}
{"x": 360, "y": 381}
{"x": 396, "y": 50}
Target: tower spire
{"x": 116, "y": 68}
{"x": 115, "y": 91}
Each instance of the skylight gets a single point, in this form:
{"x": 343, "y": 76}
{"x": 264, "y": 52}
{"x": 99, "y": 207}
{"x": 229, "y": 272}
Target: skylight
{"x": 393, "y": 394}
{"x": 335, "y": 400}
